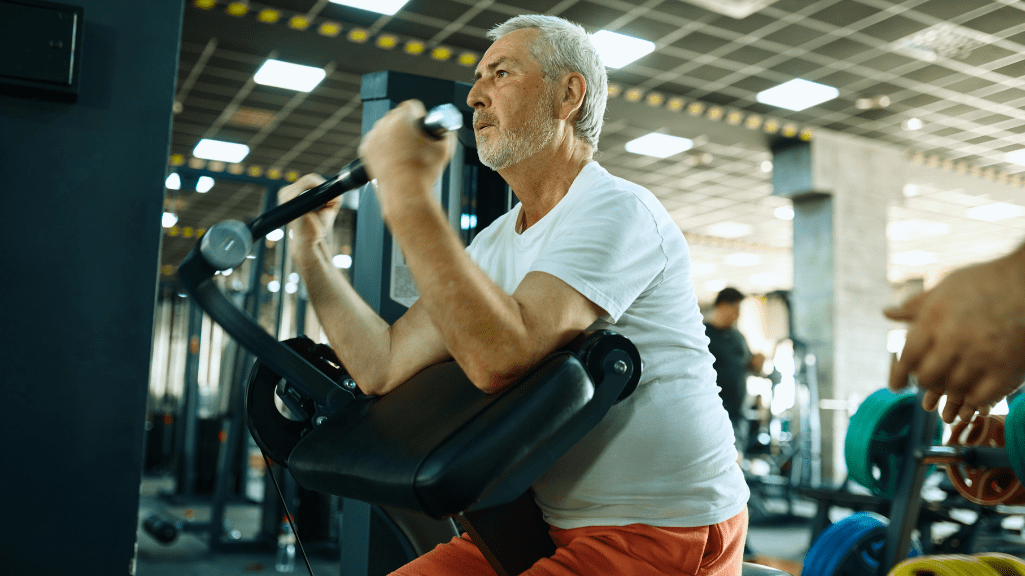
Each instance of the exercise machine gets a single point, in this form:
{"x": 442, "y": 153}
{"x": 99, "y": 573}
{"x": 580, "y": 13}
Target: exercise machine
{"x": 435, "y": 447}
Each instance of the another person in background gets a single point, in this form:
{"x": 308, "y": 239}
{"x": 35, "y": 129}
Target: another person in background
{"x": 733, "y": 360}
{"x": 967, "y": 337}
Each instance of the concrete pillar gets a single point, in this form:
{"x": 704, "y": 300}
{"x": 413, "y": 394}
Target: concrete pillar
{"x": 841, "y": 187}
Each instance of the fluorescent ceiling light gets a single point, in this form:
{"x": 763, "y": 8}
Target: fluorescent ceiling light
{"x": 913, "y": 258}
{"x": 702, "y": 268}
{"x": 912, "y": 229}
{"x": 275, "y": 235}
{"x": 1016, "y": 157}
{"x": 659, "y": 145}
{"x": 911, "y": 124}
{"x": 729, "y": 229}
{"x": 714, "y": 285}
{"x": 742, "y": 259}
{"x": 288, "y": 75}
{"x": 797, "y": 94}
{"x": 784, "y": 213}
{"x": 342, "y": 261}
{"x": 168, "y": 220}
{"x": 204, "y": 184}
{"x": 995, "y": 211}
{"x": 768, "y": 279}
{"x": 218, "y": 150}
{"x": 273, "y": 286}
{"x": 618, "y": 50}
{"x": 388, "y": 7}
{"x": 173, "y": 182}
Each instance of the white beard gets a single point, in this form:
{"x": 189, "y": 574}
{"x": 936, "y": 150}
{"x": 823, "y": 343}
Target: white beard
{"x": 508, "y": 146}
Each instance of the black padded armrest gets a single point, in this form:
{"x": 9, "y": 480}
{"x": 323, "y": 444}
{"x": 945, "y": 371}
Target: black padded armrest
{"x": 439, "y": 445}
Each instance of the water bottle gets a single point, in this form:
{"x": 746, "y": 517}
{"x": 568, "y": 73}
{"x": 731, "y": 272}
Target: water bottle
{"x": 286, "y": 548}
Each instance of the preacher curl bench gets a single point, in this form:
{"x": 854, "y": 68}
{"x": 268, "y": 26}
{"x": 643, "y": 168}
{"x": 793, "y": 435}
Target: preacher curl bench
{"x": 436, "y": 446}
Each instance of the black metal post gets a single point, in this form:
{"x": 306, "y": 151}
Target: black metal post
{"x": 233, "y": 423}
{"x": 908, "y": 501}
{"x": 190, "y": 406}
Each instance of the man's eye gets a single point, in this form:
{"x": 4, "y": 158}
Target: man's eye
{"x": 501, "y": 73}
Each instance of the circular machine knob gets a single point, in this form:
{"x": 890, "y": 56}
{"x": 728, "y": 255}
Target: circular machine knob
{"x": 226, "y": 244}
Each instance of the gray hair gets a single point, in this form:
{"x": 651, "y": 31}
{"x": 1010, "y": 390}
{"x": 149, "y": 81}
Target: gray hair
{"x": 562, "y": 47}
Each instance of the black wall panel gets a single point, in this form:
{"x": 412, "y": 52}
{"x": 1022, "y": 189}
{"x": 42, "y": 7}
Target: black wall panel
{"x": 81, "y": 196}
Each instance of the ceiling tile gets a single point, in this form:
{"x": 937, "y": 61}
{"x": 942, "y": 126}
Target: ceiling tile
{"x": 591, "y": 16}
{"x": 749, "y": 55}
{"x": 929, "y": 73}
{"x": 984, "y": 55}
{"x": 444, "y": 9}
{"x": 530, "y": 6}
{"x": 845, "y": 13}
{"x": 487, "y": 19}
{"x": 700, "y": 43}
{"x": 1005, "y": 96}
{"x": 996, "y": 21}
{"x": 795, "y": 67}
{"x": 686, "y": 11}
{"x": 950, "y": 9}
{"x": 969, "y": 85}
{"x": 893, "y": 28}
{"x": 794, "y": 35}
{"x": 747, "y": 25}
{"x": 709, "y": 73}
{"x": 413, "y": 29}
{"x": 919, "y": 100}
{"x": 1016, "y": 70}
{"x": 842, "y": 49}
{"x": 887, "y": 62}
{"x": 648, "y": 28}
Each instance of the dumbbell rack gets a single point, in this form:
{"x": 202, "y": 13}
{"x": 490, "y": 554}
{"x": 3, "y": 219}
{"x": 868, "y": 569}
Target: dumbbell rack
{"x": 919, "y": 455}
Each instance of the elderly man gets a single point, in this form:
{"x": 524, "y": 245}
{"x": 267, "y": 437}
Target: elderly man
{"x": 655, "y": 488}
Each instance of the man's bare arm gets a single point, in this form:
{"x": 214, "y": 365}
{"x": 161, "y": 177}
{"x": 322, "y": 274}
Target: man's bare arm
{"x": 967, "y": 337}
{"x": 379, "y": 357}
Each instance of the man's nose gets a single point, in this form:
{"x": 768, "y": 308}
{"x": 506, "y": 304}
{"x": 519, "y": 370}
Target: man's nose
{"x": 476, "y": 96}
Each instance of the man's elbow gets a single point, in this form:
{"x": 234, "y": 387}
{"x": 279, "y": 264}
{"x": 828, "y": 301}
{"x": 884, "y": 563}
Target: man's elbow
{"x": 490, "y": 377}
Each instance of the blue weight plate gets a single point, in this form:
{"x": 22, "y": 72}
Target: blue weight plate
{"x": 851, "y": 547}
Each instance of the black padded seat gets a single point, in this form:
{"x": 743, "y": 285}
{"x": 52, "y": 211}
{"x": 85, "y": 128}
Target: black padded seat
{"x": 440, "y": 446}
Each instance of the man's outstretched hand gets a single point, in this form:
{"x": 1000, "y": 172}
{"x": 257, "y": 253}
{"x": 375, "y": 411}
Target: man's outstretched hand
{"x": 967, "y": 337}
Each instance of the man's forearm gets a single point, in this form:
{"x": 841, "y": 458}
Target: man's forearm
{"x": 480, "y": 324}
{"x": 358, "y": 335}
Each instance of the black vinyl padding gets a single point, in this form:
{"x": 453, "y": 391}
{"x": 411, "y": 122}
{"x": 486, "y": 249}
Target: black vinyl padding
{"x": 437, "y": 444}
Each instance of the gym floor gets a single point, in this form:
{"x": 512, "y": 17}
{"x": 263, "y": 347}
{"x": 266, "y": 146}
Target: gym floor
{"x": 779, "y": 543}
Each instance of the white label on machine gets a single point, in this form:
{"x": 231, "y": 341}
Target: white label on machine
{"x": 401, "y": 286}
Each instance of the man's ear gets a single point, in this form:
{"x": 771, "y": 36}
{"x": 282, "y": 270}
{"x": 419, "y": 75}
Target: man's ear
{"x": 573, "y": 87}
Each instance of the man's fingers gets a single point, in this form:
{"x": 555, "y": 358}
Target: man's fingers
{"x": 966, "y": 413}
{"x": 935, "y": 367}
{"x": 898, "y": 376}
{"x": 991, "y": 389}
{"x": 952, "y": 407}
{"x": 907, "y": 311}
{"x": 931, "y": 399}
{"x": 915, "y": 346}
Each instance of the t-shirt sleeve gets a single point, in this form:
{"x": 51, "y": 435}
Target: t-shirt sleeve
{"x": 610, "y": 251}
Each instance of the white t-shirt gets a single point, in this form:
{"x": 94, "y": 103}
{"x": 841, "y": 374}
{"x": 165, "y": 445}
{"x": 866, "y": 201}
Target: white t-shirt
{"x": 664, "y": 456}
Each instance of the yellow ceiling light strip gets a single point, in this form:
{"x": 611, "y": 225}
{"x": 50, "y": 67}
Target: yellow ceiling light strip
{"x": 963, "y": 168}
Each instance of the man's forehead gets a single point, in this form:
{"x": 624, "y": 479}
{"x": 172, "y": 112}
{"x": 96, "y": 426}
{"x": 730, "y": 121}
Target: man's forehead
{"x": 513, "y": 48}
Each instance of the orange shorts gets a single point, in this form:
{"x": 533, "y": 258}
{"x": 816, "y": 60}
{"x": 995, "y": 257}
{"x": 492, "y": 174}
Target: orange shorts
{"x": 637, "y": 549}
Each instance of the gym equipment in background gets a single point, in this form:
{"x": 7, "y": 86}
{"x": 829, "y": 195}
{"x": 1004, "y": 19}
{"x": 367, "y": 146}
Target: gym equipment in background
{"x": 890, "y": 446}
